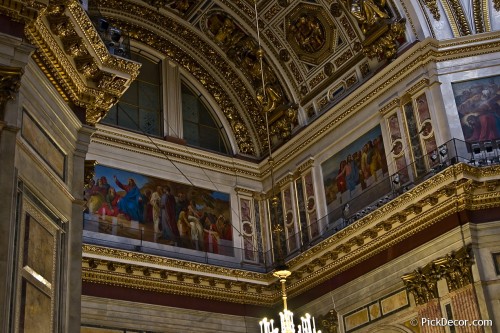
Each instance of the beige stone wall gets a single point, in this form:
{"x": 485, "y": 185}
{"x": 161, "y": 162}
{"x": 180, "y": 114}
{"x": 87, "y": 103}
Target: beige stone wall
{"x": 125, "y": 315}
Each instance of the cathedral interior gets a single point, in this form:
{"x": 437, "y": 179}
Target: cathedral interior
{"x": 198, "y": 166}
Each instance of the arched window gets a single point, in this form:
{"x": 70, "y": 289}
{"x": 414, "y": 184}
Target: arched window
{"x": 200, "y": 127}
{"x": 140, "y": 107}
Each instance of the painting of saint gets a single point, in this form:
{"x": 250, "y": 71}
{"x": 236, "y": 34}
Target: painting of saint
{"x": 478, "y": 105}
{"x": 164, "y": 212}
{"x": 354, "y": 169}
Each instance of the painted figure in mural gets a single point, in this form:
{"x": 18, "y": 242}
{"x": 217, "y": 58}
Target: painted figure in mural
{"x": 376, "y": 160}
{"x": 184, "y": 228}
{"x": 181, "y": 202}
{"x": 351, "y": 173}
{"x": 224, "y": 228}
{"x": 148, "y": 208}
{"x": 211, "y": 236}
{"x": 479, "y": 110}
{"x": 103, "y": 186}
{"x": 97, "y": 196}
{"x": 168, "y": 222}
{"x": 155, "y": 204}
{"x": 196, "y": 227}
{"x": 110, "y": 206}
{"x": 131, "y": 204}
{"x": 341, "y": 181}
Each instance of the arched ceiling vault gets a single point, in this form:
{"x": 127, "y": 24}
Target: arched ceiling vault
{"x": 310, "y": 49}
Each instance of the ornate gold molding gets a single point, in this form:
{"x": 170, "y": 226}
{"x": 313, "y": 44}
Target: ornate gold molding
{"x": 496, "y": 4}
{"x": 384, "y": 43}
{"x": 10, "y": 82}
{"x": 457, "y": 17}
{"x": 433, "y": 8}
{"x": 422, "y": 284}
{"x": 73, "y": 57}
{"x": 23, "y": 11}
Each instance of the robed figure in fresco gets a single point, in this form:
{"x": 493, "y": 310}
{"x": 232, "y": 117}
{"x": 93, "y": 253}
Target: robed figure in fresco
{"x": 131, "y": 203}
{"x": 168, "y": 222}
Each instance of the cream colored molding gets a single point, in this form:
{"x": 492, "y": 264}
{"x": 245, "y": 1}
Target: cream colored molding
{"x": 389, "y": 107}
{"x": 139, "y": 144}
{"x": 306, "y": 165}
{"x": 417, "y": 87}
{"x": 286, "y": 180}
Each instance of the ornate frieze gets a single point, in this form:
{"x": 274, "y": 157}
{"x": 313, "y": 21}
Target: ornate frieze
{"x": 24, "y": 11}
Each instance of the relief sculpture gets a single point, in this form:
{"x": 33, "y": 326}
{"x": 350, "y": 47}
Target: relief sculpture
{"x": 368, "y": 13}
{"x": 308, "y": 32}
{"x": 244, "y": 51}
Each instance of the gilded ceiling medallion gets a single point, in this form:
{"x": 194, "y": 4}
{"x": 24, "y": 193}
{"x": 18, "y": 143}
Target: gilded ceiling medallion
{"x": 308, "y": 33}
{"x": 311, "y": 32}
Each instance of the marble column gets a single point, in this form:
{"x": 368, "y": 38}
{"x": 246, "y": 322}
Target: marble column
{"x": 75, "y": 232}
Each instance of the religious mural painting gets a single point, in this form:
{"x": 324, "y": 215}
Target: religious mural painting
{"x": 478, "y": 105}
{"x": 356, "y": 171}
{"x": 135, "y": 206}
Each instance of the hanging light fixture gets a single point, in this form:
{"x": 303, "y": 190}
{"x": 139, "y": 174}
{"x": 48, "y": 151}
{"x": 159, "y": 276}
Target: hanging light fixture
{"x": 282, "y": 272}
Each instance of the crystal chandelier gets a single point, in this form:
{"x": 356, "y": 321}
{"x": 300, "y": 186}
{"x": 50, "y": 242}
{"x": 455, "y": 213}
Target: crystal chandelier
{"x": 286, "y": 316}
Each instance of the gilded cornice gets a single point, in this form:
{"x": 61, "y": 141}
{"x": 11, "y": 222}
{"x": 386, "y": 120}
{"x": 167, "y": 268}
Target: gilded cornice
{"x": 208, "y": 288}
{"x": 22, "y": 11}
{"x": 423, "y": 83}
{"x": 74, "y": 58}
{"x": 394, "y": 103}
{"x": 308, "y": 164}
{"x": 457, "y": 188}
{"x": 173, "y": 264}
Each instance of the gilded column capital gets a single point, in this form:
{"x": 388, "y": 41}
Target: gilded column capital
{"x": 422, "y": 283}
{"x": 10, "y": 82}
{"x": 456, "y": 268}
{"x": 329, "y": 322}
